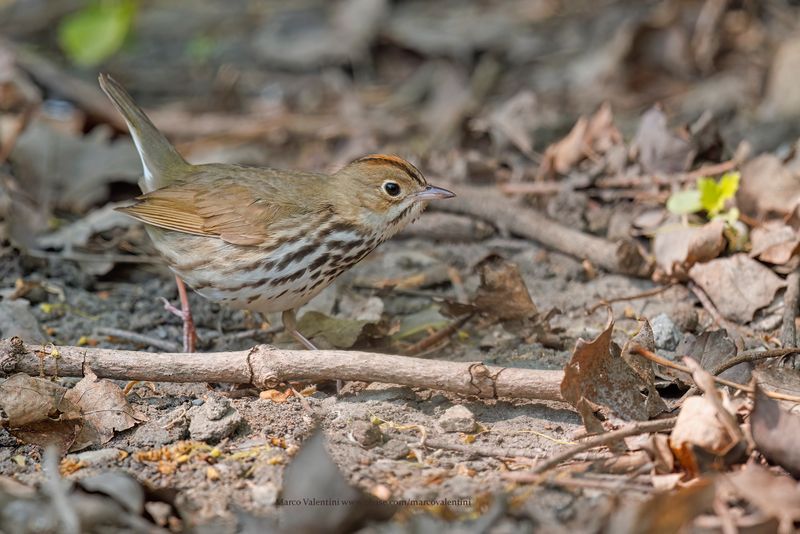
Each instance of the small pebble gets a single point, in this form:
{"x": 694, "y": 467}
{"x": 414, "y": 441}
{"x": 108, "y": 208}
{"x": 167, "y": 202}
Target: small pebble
{"x": 457, "y": 419}
{"x": 666, "y": 334}
{"x": 366, "y": 434}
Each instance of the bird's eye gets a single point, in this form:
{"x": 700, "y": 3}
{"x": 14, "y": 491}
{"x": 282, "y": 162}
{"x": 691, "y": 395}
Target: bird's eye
{"x": 392, "y": 189}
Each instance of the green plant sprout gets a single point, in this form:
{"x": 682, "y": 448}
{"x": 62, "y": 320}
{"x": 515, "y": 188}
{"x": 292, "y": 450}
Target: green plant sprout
{"x": 710, "y": 196}
{"x": 93, "y": 34}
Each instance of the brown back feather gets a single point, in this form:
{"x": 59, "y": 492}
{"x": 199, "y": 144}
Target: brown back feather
{"x": 244, "y": 209}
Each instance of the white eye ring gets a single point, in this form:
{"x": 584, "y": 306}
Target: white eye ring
{"x": 391, "y": 188}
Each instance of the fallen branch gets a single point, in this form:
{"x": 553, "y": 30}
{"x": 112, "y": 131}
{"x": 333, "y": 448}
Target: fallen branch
{"x": 490, "y": 205}
{"x": 265, "y": 367}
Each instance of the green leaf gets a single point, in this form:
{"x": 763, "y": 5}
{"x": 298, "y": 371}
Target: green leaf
{"x": 714, "y": 195}
{"x": 684, "y": 202}
{"x": 96, "y": 32}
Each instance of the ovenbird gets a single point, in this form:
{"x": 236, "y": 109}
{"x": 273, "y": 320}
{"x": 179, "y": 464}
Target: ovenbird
{"x": 264, "y": 239}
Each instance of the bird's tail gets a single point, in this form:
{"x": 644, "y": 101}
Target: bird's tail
{"x": 161, "y": 162}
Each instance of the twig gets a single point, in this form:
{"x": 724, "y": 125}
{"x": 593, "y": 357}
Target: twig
{"x": 494, "y": 452}
{"x": 439, "y": 335}
{"x": 644, "y": 294}
{"x": 705, "y": 170}
{"x": 653, "y": 357}
{"x": 791, "y": 303}
{"x": 753, "y": 356}
{"x": 608, "y": 438}
{"x": 265, "y": 367}
{"x": 533, "y": 188}
{"x": 490, "y": 205}
{"x": 134, "y": 337}
{"x": 254, "y": 333}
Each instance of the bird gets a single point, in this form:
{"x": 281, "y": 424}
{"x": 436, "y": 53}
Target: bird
{"x": 258, "y": 238}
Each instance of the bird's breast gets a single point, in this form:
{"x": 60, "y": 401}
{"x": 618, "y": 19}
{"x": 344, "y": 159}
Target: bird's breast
{"x": 282, "y": 275}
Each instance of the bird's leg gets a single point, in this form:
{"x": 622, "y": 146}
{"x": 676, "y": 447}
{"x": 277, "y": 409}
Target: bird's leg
{"x": 185, "y": 313}
{"x": 290, "y": 325}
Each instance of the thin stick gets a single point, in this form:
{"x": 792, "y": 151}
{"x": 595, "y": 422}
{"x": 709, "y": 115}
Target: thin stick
{"x": 601, "y": 440}
{"x": 753, "y": 356}
{"x": 652, "y": 356}
{"x": 490, "y": 205}
{"x": 439, "y": 335}
{"x": 644, "y": 294}
{"x": 265, "y": 367}
{"x": 134, "y": 337}
{"x": 791, "y": 303}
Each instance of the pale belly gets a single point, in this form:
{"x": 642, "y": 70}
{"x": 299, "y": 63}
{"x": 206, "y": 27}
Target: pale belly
{"x": 255, "y": 279}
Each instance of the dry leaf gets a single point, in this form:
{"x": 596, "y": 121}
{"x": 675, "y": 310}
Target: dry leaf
{"x": 105, "y": 410}
{"x": 598, "y": 373}
{"x": 777, "y": 496}
{"x": 737, "y": 285}
{"x": 774, "y": 242}
{"x": 74, "y": 171}
{"x": 666, "y": 512}
{"x": 37, "y": 411}
{"x": 678, "y": 247}
{"x": 644, "y": 367}
{"x": 591, "y": 136}
{"x": 25, "y": 399}
{"x": 503, "y": 293}
{"x": 660, "y": 149}
{"x": 767, "y": 187}
{"x": 714, "y": 347}
{"x": 700, "y": 438}
{"x": 776, "y": 433}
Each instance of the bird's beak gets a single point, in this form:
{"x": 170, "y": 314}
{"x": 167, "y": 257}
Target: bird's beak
{"x": 433, "y": 193}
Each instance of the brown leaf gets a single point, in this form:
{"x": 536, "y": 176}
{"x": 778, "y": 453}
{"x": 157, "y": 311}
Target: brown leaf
{"x": 105, "y": 410}
{"x": 591, "y": 136}
{"x": 503, "y": 293}
{"x": 678, "y": 247}
{"x": 737, "y": 285}
{"x": 659, "y": 148}
{"x": 777, "y": 496}
{"x": 74, "y": 170}
{"x": 644, "y": 367}
{"x": 598, "y": 373}
{"x": 666, "y": 512}
{"x": 767, "y": 187}
{"x": 774, "y": 242}
{"x": 714, "y": 347}
{"x": 25, "y": 399}
{"x": 699, "y": 427}
{"x": 37, "y": 411}
{"x": 514, "y": 122}
{"x": 776, "y": 433}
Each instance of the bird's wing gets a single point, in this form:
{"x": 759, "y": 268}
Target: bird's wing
{"x": 242, "y": 210}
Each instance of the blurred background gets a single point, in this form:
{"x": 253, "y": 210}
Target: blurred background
{"x": 315, "y": 83}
